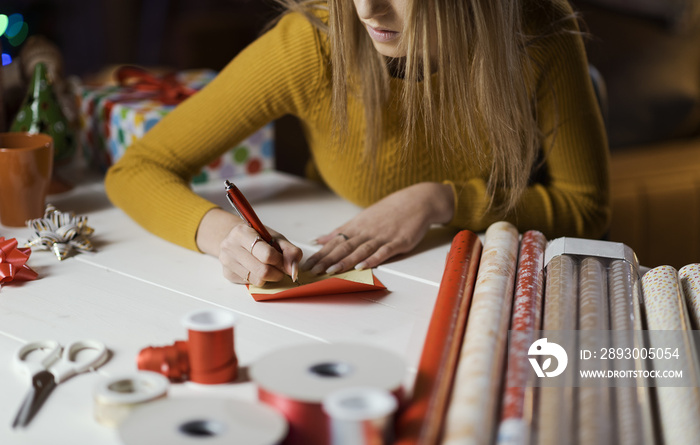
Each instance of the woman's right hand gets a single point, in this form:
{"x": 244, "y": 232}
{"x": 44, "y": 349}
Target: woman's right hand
{"x": 244, "y": 259}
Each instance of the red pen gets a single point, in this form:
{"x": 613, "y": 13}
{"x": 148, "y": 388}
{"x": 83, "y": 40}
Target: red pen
{"x": 247, "y": 214}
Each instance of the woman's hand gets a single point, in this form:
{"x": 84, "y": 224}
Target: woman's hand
{"x": 394, "y": 225}
{"x": 244, "y": 257}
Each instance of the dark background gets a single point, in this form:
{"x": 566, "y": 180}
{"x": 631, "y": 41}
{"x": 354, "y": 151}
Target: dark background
{"x": 174, "y": 33}
{"x": 177, "y": 34}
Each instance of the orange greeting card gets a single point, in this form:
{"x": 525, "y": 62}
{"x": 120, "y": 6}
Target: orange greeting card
{"x": 310, "y": 285}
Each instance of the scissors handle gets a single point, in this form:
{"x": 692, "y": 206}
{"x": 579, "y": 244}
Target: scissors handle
{"x": 68, "y": 365}
{"x": 51, "y": 350}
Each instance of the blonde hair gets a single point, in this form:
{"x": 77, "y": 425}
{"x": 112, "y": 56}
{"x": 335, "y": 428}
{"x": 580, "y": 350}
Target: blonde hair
{"x": 480, "y": 86}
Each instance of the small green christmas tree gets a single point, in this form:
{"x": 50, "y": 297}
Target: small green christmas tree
{"x": 41, "y": 113}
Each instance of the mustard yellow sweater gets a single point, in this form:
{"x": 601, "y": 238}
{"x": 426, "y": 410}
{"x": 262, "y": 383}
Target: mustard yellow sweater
{"x": 285, "y": 72}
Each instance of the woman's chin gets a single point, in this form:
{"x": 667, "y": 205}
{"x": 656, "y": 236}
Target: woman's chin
{"x": 393, "y": 51}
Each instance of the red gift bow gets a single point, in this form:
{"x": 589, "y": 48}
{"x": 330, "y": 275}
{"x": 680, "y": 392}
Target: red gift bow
{"x": 12, "y": 261}
{"x": 166, "y": 89}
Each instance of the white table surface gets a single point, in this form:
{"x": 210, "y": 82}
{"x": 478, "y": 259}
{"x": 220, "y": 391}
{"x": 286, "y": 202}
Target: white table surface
{"x": 133, "y": 291}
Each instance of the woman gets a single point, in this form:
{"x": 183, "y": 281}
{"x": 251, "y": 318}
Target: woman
{"x": 459, "y": 112}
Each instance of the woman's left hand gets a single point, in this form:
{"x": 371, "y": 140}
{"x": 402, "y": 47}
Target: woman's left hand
{"x": 391, "y": 226}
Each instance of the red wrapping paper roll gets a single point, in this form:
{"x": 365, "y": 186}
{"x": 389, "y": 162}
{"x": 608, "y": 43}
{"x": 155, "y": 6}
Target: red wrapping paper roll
{"x": 527, "y": 310}
{"x": 422, "y": 420}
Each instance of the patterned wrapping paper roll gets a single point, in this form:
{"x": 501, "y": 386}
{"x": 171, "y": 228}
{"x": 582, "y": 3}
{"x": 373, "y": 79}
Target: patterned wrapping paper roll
{"x": 555, "y": 404}
{"x": 679, "y": 407}
{"x": 594, "y": 414}
{"x": 472, "y": 414}
{"x": 422, "y": 419}
{"x": 633, "y": 412}
{"x": 527, "y": 308}
{"x": 652, "y": 433}
{"x": 690, "y": 280}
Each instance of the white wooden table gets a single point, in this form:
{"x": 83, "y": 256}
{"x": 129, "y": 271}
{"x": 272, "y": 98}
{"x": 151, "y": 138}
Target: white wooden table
{"x": 133, "y": 291}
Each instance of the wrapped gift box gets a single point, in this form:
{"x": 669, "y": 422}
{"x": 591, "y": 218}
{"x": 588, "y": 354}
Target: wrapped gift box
{"x": 112, "y": 117}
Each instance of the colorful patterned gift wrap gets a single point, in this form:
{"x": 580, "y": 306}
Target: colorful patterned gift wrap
{"x": 253, "y": 155}
{"x": 113, "y": 117}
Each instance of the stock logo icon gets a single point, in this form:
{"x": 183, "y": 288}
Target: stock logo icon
{"x": 543, "y": 348}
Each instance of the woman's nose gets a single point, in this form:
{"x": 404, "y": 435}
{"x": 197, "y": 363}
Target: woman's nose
{"x": 367, "y": 9}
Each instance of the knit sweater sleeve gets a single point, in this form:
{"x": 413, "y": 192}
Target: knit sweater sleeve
{"x": 572, "y": 198}
{"x": 275, "y": 75}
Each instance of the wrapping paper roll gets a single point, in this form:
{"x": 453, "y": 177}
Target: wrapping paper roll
{"x": 117, "y": 397}
{"x": 594, "y": 414}
{"x": 210, "y": 421}
{"x": 473, "y": 412}
{"x": 555, "y": 405}
{"x": 621, "y": 277}
{"x": 690, "y": 280}
{"x": 665, "y": 309}
{"x": 633, "y": 411}
{"x": 422, "y": 419}
{"x": 527, "y": 309}
{"x": 296, "y": 380}
{"x": 361, "y": 416}
{"x": 651, "y": 429}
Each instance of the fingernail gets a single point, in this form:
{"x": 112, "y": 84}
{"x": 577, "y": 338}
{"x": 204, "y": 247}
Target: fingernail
{"x": 317, "y": 269}
{"x": 334, "y": 268}
{"x": 315, "y": 242}
{"x": 361, "y": 266}
{"x": 294, "y": 272}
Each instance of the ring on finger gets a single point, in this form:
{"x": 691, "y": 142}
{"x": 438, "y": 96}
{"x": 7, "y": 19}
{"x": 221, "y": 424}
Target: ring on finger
{"x": 344, "y": 236}
{"x": 257, "y": 238}
{"x": 247, "y": 277}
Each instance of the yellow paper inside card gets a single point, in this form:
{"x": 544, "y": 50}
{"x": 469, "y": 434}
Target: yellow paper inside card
{"x": 314, "y": 285}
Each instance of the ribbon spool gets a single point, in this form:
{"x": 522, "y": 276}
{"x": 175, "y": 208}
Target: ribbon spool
{"x": 360, "y": 416}
{"x": 296, "y": 380}
{"x": 211, "y": 346}
{"x": 116, "y": 397}
{"x": 194, "y": 420}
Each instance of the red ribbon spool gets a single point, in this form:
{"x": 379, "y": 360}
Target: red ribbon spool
{"x": 208, "y": 356}
{"x": 211, "y": 346}
{"x": 296, "y": 380}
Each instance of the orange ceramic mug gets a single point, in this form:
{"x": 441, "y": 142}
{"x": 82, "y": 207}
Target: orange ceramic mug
{"x": 26, "y": 161}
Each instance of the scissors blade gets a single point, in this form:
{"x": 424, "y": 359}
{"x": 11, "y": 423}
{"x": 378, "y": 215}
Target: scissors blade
{"x": 43, "y": 383}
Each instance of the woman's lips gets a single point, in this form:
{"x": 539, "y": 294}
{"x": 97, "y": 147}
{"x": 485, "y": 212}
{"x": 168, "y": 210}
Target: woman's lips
{"x": 382, "y": 35}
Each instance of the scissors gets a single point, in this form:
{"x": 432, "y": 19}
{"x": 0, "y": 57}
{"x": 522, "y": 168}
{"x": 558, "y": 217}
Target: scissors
{"x": 55, "y": 366}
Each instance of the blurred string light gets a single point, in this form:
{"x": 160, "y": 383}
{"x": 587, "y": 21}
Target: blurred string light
{"x": 15, "y": 30}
